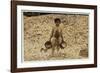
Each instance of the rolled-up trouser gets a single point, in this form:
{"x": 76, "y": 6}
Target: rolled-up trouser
{"x": 56, "y": 41}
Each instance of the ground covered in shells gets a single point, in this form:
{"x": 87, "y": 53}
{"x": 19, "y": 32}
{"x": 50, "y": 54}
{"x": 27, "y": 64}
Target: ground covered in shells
{"x": 37, "y": 30}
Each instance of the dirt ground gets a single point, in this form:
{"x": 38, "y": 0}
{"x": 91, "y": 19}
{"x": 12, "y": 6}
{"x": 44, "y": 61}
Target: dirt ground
{"x": 37, "y": 30}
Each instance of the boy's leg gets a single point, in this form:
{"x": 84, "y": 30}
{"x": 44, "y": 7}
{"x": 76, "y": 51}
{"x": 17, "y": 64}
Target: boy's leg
{"x": 53, "y": 41}
{"x": 53, "y": 51}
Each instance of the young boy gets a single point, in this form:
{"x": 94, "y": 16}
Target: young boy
{"x": 56, "y": 37}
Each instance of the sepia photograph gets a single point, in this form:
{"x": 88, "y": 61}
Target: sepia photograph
{"x": 55, "y": 36}
{"x": 52, "y": 36}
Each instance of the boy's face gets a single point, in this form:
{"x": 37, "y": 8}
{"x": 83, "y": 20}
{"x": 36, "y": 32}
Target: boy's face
{"x": 57, "y": 23}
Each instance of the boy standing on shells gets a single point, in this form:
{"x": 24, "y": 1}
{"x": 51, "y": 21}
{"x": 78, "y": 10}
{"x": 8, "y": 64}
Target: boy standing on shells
{"x": 56, "y": 37}
{"x": 56, "y": 40}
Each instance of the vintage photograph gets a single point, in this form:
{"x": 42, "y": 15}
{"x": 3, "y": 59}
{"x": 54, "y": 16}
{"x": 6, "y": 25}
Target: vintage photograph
{"x": 52, "y": 36}
{"x": 55, "y": 36}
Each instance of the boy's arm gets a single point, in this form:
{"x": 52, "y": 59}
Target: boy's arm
{"x": 51, "y": 34}
{"x": 62, "y": 36}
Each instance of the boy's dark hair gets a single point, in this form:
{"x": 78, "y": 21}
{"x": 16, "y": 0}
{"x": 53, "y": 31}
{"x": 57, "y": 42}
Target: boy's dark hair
{"x": 57, "y": 19}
